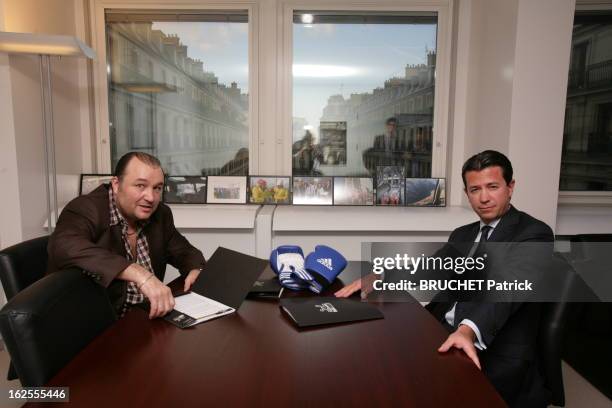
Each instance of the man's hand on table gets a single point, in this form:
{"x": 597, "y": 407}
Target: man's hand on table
{"x": 190, "y": 278}
{"x": 462, "y": 338}
{"x": 159, "y": 295}
{"x": 364, "y": 284}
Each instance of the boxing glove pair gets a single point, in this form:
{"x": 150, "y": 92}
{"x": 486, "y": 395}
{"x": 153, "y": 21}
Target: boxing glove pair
{"x": 314, "y": 272}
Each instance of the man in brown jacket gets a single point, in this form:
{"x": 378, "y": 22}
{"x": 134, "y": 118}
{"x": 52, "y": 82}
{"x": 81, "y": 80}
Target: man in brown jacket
{"x": 123, "y": 237}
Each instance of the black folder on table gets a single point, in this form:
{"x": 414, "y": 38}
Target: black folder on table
{"x": 224, "y": 283}
{"x": 266, "y": 288}
{"x": 315, "y": 311}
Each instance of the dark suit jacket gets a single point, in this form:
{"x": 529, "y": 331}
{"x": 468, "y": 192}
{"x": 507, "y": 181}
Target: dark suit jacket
{"x": 509, "y": 330}
{"x": 379, "y": 143}
{"x": 84, "y": 239}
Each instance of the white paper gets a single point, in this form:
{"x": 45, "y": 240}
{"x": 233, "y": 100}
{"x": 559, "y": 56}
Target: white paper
{"x": 200, "y": 307}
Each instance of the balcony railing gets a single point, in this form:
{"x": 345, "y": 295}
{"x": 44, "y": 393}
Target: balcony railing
{"x": 595, "y": 76}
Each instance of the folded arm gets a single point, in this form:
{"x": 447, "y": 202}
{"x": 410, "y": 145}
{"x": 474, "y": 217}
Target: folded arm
{"x": 72, "y": 244}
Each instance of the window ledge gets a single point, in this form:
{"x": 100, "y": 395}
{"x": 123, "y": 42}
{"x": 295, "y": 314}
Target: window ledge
{"x": 573, "y": 219}
{"x": 212, "y": 216}
{"x": 588, "y": 198}
{"x": 397, "y": 219}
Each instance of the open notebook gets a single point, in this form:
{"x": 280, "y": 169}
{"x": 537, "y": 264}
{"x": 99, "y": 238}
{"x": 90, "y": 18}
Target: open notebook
{"x": 219, "y": 290}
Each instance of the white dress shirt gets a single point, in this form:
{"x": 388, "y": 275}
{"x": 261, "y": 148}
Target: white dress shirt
{"x": 450, "y": 315}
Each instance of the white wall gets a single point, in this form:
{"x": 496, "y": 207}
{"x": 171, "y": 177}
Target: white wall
{"x": 491, "y": 77}
{"x": 10, "y": 213}
{"x": 544, "y": 33}
{"x": 50, "y": 17}
{"x": 25, "y": 87}
{"x": 484, "y": 47}
{"x": 511, "y": 75}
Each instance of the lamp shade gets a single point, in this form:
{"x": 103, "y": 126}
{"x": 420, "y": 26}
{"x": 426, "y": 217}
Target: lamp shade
{"x": 44, "y": 44}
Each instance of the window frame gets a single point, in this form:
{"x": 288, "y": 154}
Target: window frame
{"x": 440, "y": 128}
{"x": 100, "y": 77}
{"x": 588, "y": 197}
{"x": 270, "y": 72}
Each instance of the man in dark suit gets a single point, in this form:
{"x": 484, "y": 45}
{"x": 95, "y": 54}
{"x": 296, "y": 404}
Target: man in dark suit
{"x": 388, "y": 142}
{"x": 122, "y": 236}
{"x": 499, "y": 337}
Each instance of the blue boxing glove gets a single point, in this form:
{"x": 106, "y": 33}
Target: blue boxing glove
{"x": 287, "y": 261}
{"x": 324, "y": 264}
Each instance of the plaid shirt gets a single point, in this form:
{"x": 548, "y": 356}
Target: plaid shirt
{"x": 134, "y": 296}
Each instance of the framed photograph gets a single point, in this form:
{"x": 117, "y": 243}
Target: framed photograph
{"x": 426, "y": 192}
{"x": 89, "y": 182}
{"x": 226, "y": 190}
{"x": 313, "y": 190}
{"x": 390, "y": 185}
{"x": 269, "y": 190}
{"x": 353, "y": 191}
{"x": 185, "y": 190}
{"x": 333, "y": 143}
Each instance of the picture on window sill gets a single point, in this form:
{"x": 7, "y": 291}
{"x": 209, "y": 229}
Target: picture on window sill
{"x": 269, "y": 190}
{"x": 185, "y": 190}
{"x": 313, "y": 190}
{"x": 226, "y": 190}
{"x": 390, "y": 187}
{"x": 353, "y": 191}
{"x": 426, "y": 192}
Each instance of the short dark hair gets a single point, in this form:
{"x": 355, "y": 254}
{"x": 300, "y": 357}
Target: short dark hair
{"x": 390, "y": 120}
{"x": 126, "y": 158}
{"x": 488, "y": 158}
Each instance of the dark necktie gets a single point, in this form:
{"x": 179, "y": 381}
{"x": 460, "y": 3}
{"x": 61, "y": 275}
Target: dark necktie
{"x": 484, "y": 233}
{"x": 439, "y": 309}
{"x": 484, "y": 237}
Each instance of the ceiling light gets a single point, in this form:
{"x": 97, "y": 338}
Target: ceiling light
{"x": 307, "y": 18}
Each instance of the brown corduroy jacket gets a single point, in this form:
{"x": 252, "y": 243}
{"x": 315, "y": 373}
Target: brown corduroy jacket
{"x": 85, "y": 239}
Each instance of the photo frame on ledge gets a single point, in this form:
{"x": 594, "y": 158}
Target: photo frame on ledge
{"x": 269, "y": 190}
{"x": 185, "y": 190}
{"x": 390, "y": 186}
{"x": 354, "y": 191}
{"x": 89, "y": 182}
{"x": 226, "y": 190}
{"x": 426, "y": 192}
{"x": 313, "y": 190}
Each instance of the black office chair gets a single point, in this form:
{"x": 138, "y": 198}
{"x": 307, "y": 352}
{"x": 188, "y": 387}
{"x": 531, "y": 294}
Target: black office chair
{"x": 45, "y": 325}
{"x": 23, "y": 264}
{"x": 20, "y": 266}
{"x": 591, "y": 246}
{"x": 587, "y": 339}
{"x": 568, "y": 287}
{"x": 552, "y": 326}
{"x": 550, "y": 351}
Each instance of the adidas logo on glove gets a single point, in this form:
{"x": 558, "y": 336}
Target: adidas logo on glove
{"x": 316, "y": 271}
{"x": 326, "y": 262}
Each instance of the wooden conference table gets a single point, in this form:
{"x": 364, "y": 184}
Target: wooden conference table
{"x": 257, "y": 357}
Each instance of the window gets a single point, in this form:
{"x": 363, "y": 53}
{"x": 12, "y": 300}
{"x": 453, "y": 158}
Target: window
{"x": 205, "y": 56}
{"x": 231, "y": 71}
{"x": 363, "y": 84}
{"x": 586, "y": 163}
